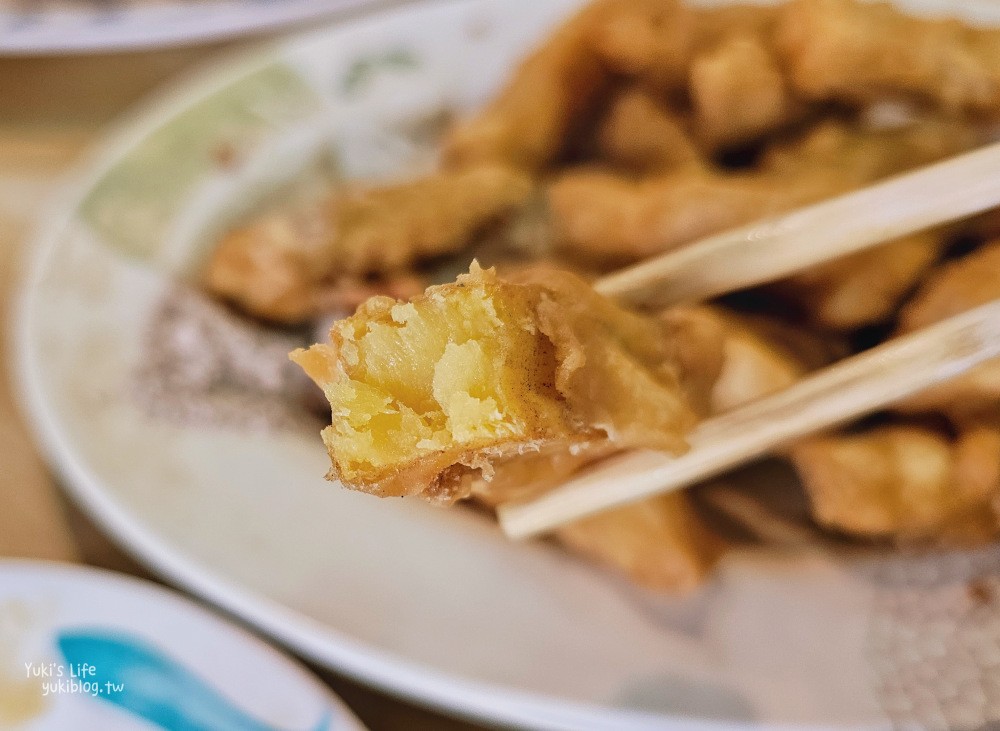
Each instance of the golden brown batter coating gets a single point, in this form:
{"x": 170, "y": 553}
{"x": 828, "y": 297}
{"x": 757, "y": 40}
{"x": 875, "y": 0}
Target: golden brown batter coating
{"x": 527, "y": 124}
{"x": 651, "y": 41}
{"x": 278, "y": 267}
{"x": 953, "y": 288}
{"x": 861, "y": 52}
{"x": 606, "y": 216}
{"x": 472, "y": 373}
{"x": 866, "y": 288}
{"x": 640, "y": 134}
{"x": 738, "y": 92}
{"x": 661, "y": 543}
{"x": 905, "y": 481}
{"x": 654, "y": 41}
{"x": 761, "y": 356}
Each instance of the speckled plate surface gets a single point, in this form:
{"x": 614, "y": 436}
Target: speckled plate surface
{"x": 200, "y": 468}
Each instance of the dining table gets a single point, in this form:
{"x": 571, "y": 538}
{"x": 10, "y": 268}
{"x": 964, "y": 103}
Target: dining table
{"x": 52, "y": 110}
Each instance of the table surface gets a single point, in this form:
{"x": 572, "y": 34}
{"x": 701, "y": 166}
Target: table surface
{"x": 51, "y": 109}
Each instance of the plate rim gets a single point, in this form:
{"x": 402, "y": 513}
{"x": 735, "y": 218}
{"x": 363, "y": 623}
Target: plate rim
{"x": 138, "y": 36}
{"x": 165, "y": 596}
{"x": 302, "y": 635}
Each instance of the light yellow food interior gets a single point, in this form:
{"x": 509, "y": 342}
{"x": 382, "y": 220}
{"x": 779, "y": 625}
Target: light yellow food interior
{"x": 462, "y": 368}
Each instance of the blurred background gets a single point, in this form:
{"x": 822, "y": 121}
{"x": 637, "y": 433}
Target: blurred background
{"x": 54, "y": 103}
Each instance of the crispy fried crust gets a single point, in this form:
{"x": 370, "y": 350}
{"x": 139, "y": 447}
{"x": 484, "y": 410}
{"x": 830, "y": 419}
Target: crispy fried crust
{"x": 862, "y": 52}
{"x": 660, "y": 543}
{"x": 953, "y": 288}
{"x": 648, "y": 40}
{"x": 609, "y": 217}
{"x": 866, "y": 288}
{"x": 761, "y": 356}
{"x": 738, "y": 92}
{"x": 473, "y": 373}
{"x": 642, "y": 135}
{"x": 905, "y": 481}
{"x": 278, "y": 267}
{"x": 527, "y": 124}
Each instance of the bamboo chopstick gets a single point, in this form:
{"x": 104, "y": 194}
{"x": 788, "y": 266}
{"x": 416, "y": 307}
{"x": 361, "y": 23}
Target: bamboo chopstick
{"x": 850, "y": 388}
{"x": 785, "y": 244}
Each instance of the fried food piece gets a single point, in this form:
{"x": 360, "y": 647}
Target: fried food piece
{"x": 951, "y": 289}
{"x": 660, "y": 543}
{"x": 955, "y": 287}
{"x": 733, "y": 358}
{"x": 905, "y": 481}
{"x": 611, "y": 218}
{"x": 762, "y": 356}
{"x": 856, "y": 155}
{"x": 738, "y": 92}
{"x": 864, "y": 288}
{"x": 715, "y": 25}
{"x": 649, "y": 40}
{"x": 553, "y": 91}
{"x": 527, "y": 124}
{"x": 469, "y": 374}
{"x": 273, "y": 267}
{"x": 860, "y": 52}
{"x": 654, "y": 41}
{"x": 663, "y": 543}
{"x": 278, "y": 267}
{"x": 641, "y": 135}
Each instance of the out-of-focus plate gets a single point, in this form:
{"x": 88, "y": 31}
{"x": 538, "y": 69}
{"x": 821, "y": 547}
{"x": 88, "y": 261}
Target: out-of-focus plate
{"x": 62, "y": 26}
{"x": 94, "y": 651}
{"x": 433, "y": 604}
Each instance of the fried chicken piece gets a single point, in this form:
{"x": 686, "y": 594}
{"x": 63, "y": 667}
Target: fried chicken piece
{"x": 273, "y": 267}
{"x": 861, "y": 52}
{"x": 738, "y": 93}
{"x": 905, "y": 481}
{"x": 949, "y": 290}
{"x": 641, "y": 135}
{"x": 611, "y": 218}
{"x": 279, "y": 267}
{"x": 472, "y": 373}
{"x": 955, "y": 287}
{"x": 865, "y": 288}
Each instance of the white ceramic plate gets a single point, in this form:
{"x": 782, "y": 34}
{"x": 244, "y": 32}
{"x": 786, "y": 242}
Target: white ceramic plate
{"x": 433, "y": 604}
{"x": 94, "y": 651}
{"x": 57, "y": 26}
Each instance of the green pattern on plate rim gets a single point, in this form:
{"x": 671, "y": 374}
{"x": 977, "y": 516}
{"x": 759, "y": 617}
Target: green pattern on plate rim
{"x": 132, "y": 210}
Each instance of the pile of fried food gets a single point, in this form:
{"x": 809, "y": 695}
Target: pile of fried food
{"x": 637, "y": 127}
